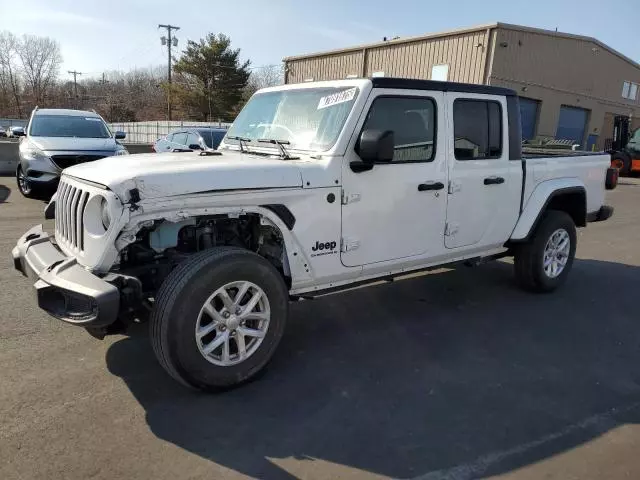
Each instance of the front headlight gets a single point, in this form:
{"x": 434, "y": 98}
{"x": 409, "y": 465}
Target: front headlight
{"x": 33, "y": 153}
{"x": 122, "y": 151}
{"x": 105, "y": 216}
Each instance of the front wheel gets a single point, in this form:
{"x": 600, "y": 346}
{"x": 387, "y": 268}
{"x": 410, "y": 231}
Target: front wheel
{"x": 24, "y": 185}
{"x": 543, "y": 263}
{"x": 218, "y": 318}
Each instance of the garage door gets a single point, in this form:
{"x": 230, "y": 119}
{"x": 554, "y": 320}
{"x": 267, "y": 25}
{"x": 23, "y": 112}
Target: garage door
{"x": 529, "y": 117}
{"x": 572, "y": 124}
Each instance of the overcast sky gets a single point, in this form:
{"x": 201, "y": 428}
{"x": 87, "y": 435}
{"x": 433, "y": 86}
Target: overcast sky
{"x": 121, "y": 34}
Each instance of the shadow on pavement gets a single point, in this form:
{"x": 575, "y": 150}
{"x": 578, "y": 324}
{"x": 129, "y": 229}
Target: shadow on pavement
{"x": 4, "y": 193}
{"x": 418, "y": 376}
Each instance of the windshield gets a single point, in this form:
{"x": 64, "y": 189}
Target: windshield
{"x": 212, "y": 138}
{"x": 68, "y": 126}
{"x": 310, "y": 119}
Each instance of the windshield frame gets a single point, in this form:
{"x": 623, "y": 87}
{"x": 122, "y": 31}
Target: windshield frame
{"x": 93, "y": 117}
{"x": 362, "y": 87}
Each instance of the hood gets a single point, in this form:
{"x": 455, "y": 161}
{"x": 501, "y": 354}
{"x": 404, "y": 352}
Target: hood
{"x": 157, "y": 175}
{"x": 67, "y": 144}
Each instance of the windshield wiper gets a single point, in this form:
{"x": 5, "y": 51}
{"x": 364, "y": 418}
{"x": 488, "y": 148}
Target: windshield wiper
{"x": 240, "y": 141}
{"x": 280, "y": 143}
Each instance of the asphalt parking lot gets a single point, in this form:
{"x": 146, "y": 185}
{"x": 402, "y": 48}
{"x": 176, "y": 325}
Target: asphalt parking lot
{"x": 453, "y": 375}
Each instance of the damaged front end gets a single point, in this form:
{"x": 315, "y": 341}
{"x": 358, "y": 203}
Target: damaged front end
{"x": 110, "y": 255}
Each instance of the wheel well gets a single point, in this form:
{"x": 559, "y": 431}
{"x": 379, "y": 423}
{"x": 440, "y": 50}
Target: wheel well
{"x": 572, "y": 202}
{"x": 162, "y": 245}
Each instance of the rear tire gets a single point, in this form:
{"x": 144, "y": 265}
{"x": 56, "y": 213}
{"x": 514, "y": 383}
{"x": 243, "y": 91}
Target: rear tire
{"x": 200, "y": 296}
{"x": 543, "y": 263}
{"x": 622, "y": 162}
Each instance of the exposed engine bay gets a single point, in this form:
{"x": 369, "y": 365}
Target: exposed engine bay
{"x": 162, "y": 246}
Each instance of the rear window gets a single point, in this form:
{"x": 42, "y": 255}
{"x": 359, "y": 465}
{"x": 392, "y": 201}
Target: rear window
{"x": 68, "y": 126}
{"x": 212, "y": 138}
{"x": 477, "y": 128}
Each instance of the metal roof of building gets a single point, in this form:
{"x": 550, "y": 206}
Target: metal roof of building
{"x": 488, "y": 26}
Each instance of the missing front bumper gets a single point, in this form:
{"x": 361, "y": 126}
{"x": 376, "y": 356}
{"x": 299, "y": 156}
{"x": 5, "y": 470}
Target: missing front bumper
{"x": 65, "y": 289}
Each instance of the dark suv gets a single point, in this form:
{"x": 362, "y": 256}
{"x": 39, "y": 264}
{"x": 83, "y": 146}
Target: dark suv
{"x": 57, "y": 139}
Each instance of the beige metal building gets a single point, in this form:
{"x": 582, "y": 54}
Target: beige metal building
{"x": 571, "y": 86}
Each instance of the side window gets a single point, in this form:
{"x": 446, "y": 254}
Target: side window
{"x": 192, "y": 138}
{"x": 477, "y": 126}
{"x": 180, "y": 138}
{"x": 169, "y": 138}
{"x": 412, "y": 121}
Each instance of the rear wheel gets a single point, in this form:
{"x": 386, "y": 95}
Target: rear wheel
{"x": 543, "y": 263}
{"x": 218, "y": 318}
{"x": 622, "y": 162}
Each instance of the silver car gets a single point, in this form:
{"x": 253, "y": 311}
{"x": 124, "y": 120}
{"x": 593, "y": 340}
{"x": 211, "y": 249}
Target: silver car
{"x": 56, "y": 139}
{"x": 200, "y": 138}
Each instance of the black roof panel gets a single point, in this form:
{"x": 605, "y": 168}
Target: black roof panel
{"x": 415, "y": 84}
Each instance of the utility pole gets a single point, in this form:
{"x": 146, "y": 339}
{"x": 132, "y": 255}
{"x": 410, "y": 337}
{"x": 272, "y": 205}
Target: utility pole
{"x": 169, "y": 41}
{"x": 107, "y": 97}
{"x": 75, "y": 83}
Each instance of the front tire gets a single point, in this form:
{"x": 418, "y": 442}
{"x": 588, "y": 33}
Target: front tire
{"x": 218, "y": 318}
{"x": 24, "y": 185}
{"x": 544, "y": 262}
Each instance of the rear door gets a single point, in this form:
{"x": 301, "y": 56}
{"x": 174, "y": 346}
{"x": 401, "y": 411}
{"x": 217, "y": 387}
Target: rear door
{"x": 484, "y": 186}
{"x": 397, "y": 209}
{"x": 193, "y": 139}
{"x": 179, "y": 140}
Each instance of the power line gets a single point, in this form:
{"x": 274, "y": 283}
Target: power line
{"x": 170, "y": 42}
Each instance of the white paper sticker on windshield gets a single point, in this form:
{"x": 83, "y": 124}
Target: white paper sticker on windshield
{"x": 93, "y": 119}
{"x": 337, "y": 98}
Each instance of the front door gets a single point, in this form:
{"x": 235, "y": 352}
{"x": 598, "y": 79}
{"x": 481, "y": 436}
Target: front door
{"x": 484, "y": 185}
{"x": 397, "y": 209}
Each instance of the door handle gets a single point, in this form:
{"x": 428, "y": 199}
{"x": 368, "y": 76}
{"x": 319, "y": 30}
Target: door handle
{"x": 493, "y": 180}
{"x": 423, "y": 187}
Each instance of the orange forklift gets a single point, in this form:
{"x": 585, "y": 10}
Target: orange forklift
{"x": 625, "y": 147}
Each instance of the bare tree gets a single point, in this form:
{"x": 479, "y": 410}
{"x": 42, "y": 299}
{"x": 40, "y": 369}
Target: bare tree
{"x": 262, "y": 77}
{"x": 41, "y": 60}
{"x": 9, "y": 70}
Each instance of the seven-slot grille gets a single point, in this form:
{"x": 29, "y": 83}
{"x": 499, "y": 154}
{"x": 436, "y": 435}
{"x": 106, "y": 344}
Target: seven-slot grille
{"x": 70, "y": 204}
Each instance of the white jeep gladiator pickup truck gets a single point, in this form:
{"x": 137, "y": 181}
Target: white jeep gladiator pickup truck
{"x": 317, "y": 187}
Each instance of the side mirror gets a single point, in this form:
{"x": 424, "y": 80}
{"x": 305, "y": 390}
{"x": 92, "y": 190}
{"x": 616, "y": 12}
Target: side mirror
{"x": 375, "y": 146}
{"x": 195, "y": 146}
{"x": 120, "y": 135}
{"x": 19, "y": 132}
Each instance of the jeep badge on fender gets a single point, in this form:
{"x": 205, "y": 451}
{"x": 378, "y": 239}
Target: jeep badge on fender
{"x": 324, "y": 246}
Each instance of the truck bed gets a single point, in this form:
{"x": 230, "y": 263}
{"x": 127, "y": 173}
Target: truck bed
{"x": 542, "y": 171}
